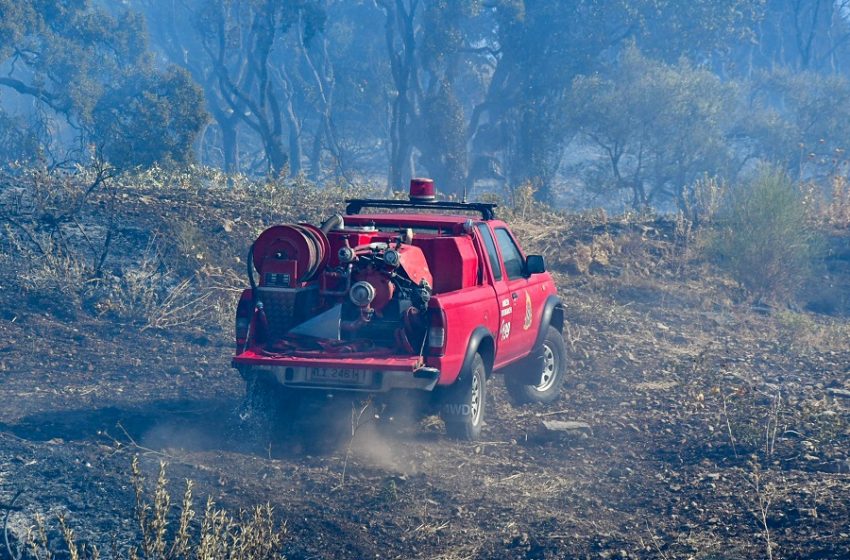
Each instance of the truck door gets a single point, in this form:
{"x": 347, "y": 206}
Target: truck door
{"x": 506, "y": 349}
{"x": 524, "y": 323}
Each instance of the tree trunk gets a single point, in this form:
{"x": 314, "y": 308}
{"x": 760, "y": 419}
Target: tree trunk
{"x": 399, "y": 21}
{"x": 275, "y": 154}
{"x": 316, "y": 157}
{"x": 230, "y": 146}
{"x": 296, "y": 153}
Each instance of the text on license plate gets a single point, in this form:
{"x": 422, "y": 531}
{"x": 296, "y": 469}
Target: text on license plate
{"x": 338, "y": 375}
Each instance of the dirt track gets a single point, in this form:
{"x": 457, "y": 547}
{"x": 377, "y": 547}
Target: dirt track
{"x": 698, "y": 408}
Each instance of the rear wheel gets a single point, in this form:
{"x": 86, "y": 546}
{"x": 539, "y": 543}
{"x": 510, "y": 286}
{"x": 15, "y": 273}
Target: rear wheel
{"x": 464, "y": 404}
{"x": 552, "y": 376}
{"x": 268, "y": 408}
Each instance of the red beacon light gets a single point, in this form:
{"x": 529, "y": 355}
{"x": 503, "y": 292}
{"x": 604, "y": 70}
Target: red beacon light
{"x": 422, "y": 190}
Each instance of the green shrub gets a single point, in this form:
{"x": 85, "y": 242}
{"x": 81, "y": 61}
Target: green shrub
{"x": 765, "y": 238}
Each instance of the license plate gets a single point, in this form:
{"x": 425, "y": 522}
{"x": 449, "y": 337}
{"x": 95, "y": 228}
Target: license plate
{"x": 343, "y": 376}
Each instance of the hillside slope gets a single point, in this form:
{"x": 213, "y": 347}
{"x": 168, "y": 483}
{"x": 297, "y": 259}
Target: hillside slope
{"x": 715, "y": 429}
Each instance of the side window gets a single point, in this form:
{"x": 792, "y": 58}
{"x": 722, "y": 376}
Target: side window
{"x": 484, "y": 231}
{"x": 510, "y": 254}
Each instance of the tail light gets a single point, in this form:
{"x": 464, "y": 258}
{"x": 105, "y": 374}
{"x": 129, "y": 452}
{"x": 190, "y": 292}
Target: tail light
{"x": 437, "y": 332}
{"x": 244, "y": 314}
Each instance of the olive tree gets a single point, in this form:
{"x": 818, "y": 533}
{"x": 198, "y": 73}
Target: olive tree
{"x": 800, "y": 118}
{"x": 83, "y": 66}
{"x": 659, "y": 126}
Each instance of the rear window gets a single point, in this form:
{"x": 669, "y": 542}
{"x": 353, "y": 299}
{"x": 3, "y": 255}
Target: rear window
{"x": 484, "y": 231}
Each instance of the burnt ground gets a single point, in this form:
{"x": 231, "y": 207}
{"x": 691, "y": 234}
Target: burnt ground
{"x": 717, "y": 430}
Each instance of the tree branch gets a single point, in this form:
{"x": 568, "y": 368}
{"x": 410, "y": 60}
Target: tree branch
{"x": 41, "y": 94}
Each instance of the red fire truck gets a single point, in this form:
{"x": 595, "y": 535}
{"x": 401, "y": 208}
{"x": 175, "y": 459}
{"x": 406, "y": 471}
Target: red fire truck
{"x": 417, "y": 294}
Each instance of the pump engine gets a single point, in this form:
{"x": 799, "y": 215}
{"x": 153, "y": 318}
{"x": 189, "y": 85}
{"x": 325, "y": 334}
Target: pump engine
{"x": 355, "y": 284}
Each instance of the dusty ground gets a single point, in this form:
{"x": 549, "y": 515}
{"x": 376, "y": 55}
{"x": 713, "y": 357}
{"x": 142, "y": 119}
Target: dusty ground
{"x": 717, "y": 431}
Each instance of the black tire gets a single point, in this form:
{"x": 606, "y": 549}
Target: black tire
{"x": 553, "y": 375}
{"x": 268, "y": 408}
{"x": 464, "y": 404}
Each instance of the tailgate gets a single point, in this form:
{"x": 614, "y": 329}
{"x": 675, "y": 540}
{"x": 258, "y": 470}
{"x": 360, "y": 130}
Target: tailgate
{"x": 379, "y": 363}
{"x": 372, "y": 373}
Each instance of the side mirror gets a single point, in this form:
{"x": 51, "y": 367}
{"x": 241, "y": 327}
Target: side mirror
{"x": 534, "y": 264}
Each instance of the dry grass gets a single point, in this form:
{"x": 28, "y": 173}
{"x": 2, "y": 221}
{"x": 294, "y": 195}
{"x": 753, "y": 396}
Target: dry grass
{"x": 703, "y": 200}
{"x": 166, "y": 532}
{"x": 62, "y": 232}
{"x": 838, "y": 210}
{"x": 807, "y": 332}
{"x": 149, "y": 294}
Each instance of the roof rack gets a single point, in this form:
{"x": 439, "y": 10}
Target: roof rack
{"x": 355, "y": 205}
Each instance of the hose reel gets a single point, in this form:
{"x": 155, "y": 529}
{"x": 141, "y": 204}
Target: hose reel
{"x": 288, "y": 255}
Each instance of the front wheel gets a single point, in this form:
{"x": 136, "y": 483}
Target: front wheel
{"x": 552, "y": 376}
{"x": 465, "y": 402}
